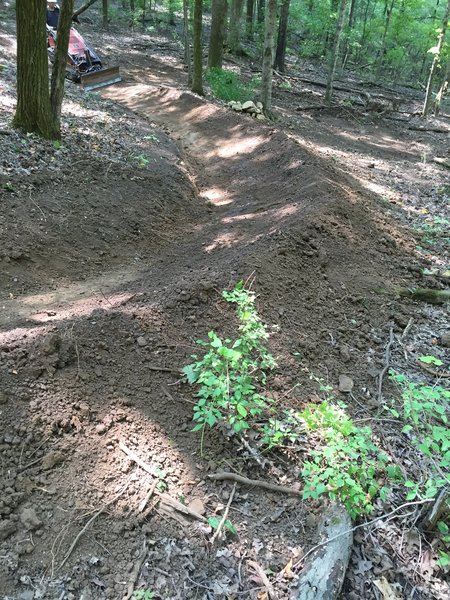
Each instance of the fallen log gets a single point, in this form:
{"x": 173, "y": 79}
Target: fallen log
{"x": 324, "y": 571}
{"x": 426, "y": 295}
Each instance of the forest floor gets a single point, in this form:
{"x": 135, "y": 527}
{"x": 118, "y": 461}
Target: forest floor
{"x": 115, "y": 246}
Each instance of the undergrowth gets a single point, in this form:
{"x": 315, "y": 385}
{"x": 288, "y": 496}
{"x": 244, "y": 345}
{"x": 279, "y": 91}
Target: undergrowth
{"x": 227, "y": 86}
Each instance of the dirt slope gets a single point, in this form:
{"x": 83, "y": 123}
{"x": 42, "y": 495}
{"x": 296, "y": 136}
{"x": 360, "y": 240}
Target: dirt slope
{"x": 111, "y": 270}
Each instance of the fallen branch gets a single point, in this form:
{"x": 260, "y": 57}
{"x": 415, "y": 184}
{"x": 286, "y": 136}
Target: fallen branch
{"x": 387, "y": 360}
{"x": 431, "y": 129}
{"x": 135, "y": 573}
{"x": 85, "y": 6}
{"x": 165, "y": 369}
{"x": 263, "y": 577}
{"x": 437, "y": 374}
{"x": 146, "y": 500}
{"x": 171, "y": 502}
{"x": 224, "y": 517}
{"x": 86, "y": 527}
{"x": 134, "y": 457}
{"x": 426, "y": 295}
{"x": 273, "y": 487}
{"x": 439, "y": 506}
{"x": 324, "y": 543}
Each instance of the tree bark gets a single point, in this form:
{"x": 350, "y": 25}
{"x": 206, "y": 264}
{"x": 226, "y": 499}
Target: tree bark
{"x": 280, "y": 53}
{"x": 60, "y": 64}
{"x": 435, "y": 63}
{"x": 105, "y": 13}
{"x": 33, "y": 111}
{"x": 261, "y": 11}
{"x": 249, "y": 19}
{"x": 267, "y": 65}
{"x": 442, "y": 90}
{"x": 234, "y": 36}
{"x": 335, "y": 54}
{"x": 187, "y": 40}
{"x": 218, "y": 24}
{"x": 197, "y": 73}
{"x": 81, "y": 10}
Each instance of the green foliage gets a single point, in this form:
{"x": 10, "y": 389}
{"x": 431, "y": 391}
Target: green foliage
{"x": 425, "y": 412}
{"x": 227, "y": 86}
{"x": 143, "y": 595}
{"x": 228, "y": 525}
{"x": 231, "y": 372}
{"x": 348, "y": 465}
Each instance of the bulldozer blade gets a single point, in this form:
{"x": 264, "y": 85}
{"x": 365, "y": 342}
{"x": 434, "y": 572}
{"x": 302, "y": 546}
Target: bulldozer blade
{"x": 102, "y": 78}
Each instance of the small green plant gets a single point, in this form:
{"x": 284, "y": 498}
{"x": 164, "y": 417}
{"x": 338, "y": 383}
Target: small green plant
{"x": 143, "y": 595}
{"x": 349, "y": 465}
{"x": 230, "y": 374}
{"x": 142, "y": 160}
{"x": 57, "y": 144}
{"x": 286, "y": 86}
{"x": 228, "y": 525}
{"x": 227, "y": 86}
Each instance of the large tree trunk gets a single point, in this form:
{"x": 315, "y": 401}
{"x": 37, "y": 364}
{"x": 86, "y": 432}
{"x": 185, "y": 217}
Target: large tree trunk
{"x": 282, "y": 37}
{"x": 435, "y": 63}
{"x": 33, "y": 111}
{"x": 267, "y": 65}
{"x": 335, "y": 53}
{"x": 234, "y": 36}
{"x": 218, "y": 23}
{"x": 59, "y": 66}
{"x": 197, "y": 73}
{"x": 187, "y": 40}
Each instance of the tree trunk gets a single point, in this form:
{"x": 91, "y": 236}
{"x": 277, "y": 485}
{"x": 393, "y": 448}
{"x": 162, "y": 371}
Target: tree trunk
{"x": 435, "y": 63}
{"x": 33, "y": 111}
{"x": 335, "y": 54}
{"x": 105, "y": 13}
{"x": 59, "y": 66}
{"x": 218, "y": 23}
{"x": 81, "y": 10}
{"x": 234, "y": 36}
{"x": 187, "y": 40}
{"x": 443, "y": 90}
{"x": 267, "y": 65}
{"x": 351, "y": 16}
{"x": 280, "y": 53}
{"x": 249, "y": 19}
{"x": 197, "y": 73}
{"x": 261, "y": 10}
{"x": 388, "y": 8}
{"x": 171, "y": 8}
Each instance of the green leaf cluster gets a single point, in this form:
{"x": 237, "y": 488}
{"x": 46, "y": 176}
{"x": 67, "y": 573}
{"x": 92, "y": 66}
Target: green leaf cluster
{"x": 227, "y": 86}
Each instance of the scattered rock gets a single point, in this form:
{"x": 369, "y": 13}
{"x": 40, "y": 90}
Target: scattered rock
{"x": 29, "y": 519}
{"x": 197, "y": 506}
{"x": 345, "y": 384}
{"x": 141, "y": 341}
{"x": 445, "y": 341}
{"x": 7, "y": 528}
{"x": 52, "y": 459}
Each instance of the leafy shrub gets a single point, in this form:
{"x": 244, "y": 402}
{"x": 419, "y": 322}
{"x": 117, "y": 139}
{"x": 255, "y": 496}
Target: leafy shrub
{"x": 227, "y": 86}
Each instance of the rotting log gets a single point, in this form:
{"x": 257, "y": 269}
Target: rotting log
{"x": 324, "y": 571}
{"x": 426, "y": 295}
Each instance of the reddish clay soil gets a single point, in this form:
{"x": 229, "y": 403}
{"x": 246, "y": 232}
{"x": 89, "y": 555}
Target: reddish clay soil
{"x": 111, "y": 270}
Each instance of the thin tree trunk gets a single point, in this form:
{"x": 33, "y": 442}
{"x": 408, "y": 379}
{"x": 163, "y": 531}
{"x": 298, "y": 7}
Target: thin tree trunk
{"x": 261, "y": 10}
{"x": 335, "y": 54}
{"x": 81, "y": 10}
{"x": 388, "y": 14}
{"x": 234, "y": 35}
{"x": 60, "y": 64}
{"x": 218, "y": 24}
{"x": 105, "y": 13}
{"x": 197, "y": 73}
{"x": 187, "y": 40}
{"x": 267, "y": 65}
{"x": 443, "y": 89}
{"x": 352, "y": 14}
{"x": 171, "y": 8}
{"x": 33, "y": 110}
{"x": 249, "y": 19}
{"x": 435, "y": 63}
{"x": 280, "y": 53}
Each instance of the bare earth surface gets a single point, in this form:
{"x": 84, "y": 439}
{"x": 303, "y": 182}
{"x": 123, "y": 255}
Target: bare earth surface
{"x": 114, "y": 249}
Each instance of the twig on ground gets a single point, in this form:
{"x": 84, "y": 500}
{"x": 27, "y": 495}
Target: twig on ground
{"x": 169, "y": 395}
{"x": 387, "y": 360}
{"x": 273, "y": 487}
{"x": 224, "y": 517}
{"x": 437, "y": 374}
{"x": 407, "y": 328}
{"x": 165, "y": 369}
{"x": 134, "y": 457}
{"x": 324, "y": 543}
{"x": 135, "y": 573}
{"x": 150, "y": 493}
{"x": 263, "y": 577}
{"x": 91, "y": 520}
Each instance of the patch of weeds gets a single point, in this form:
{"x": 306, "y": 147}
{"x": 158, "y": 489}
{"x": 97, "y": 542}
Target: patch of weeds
{"x": 142, "y": 160}
{"x": 87, "y": 98}
{"x": 143, "y": 595}
{"x": 227, "y": 86}
{"x": 231, "y": 372}
{"x": 285, "y": 86}
{"x": 228, "y": 525}
{"x": 425, "y": 411}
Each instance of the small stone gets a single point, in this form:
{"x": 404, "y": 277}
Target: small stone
{"x": 248, "y": 106}
{"x": 445, "y": 341}
{"x": 29, "y": 519}
{"x": 261, "y": 117}
{"x": 141, "y": 341}
{"x": 344, "y": 351}
{"x": 7, "y": 528}
{"x": 52, "y": 459}
{"x": 101, "y": 428}
{"x": 345, "y": 384}
{"x": 197, "y": 506}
